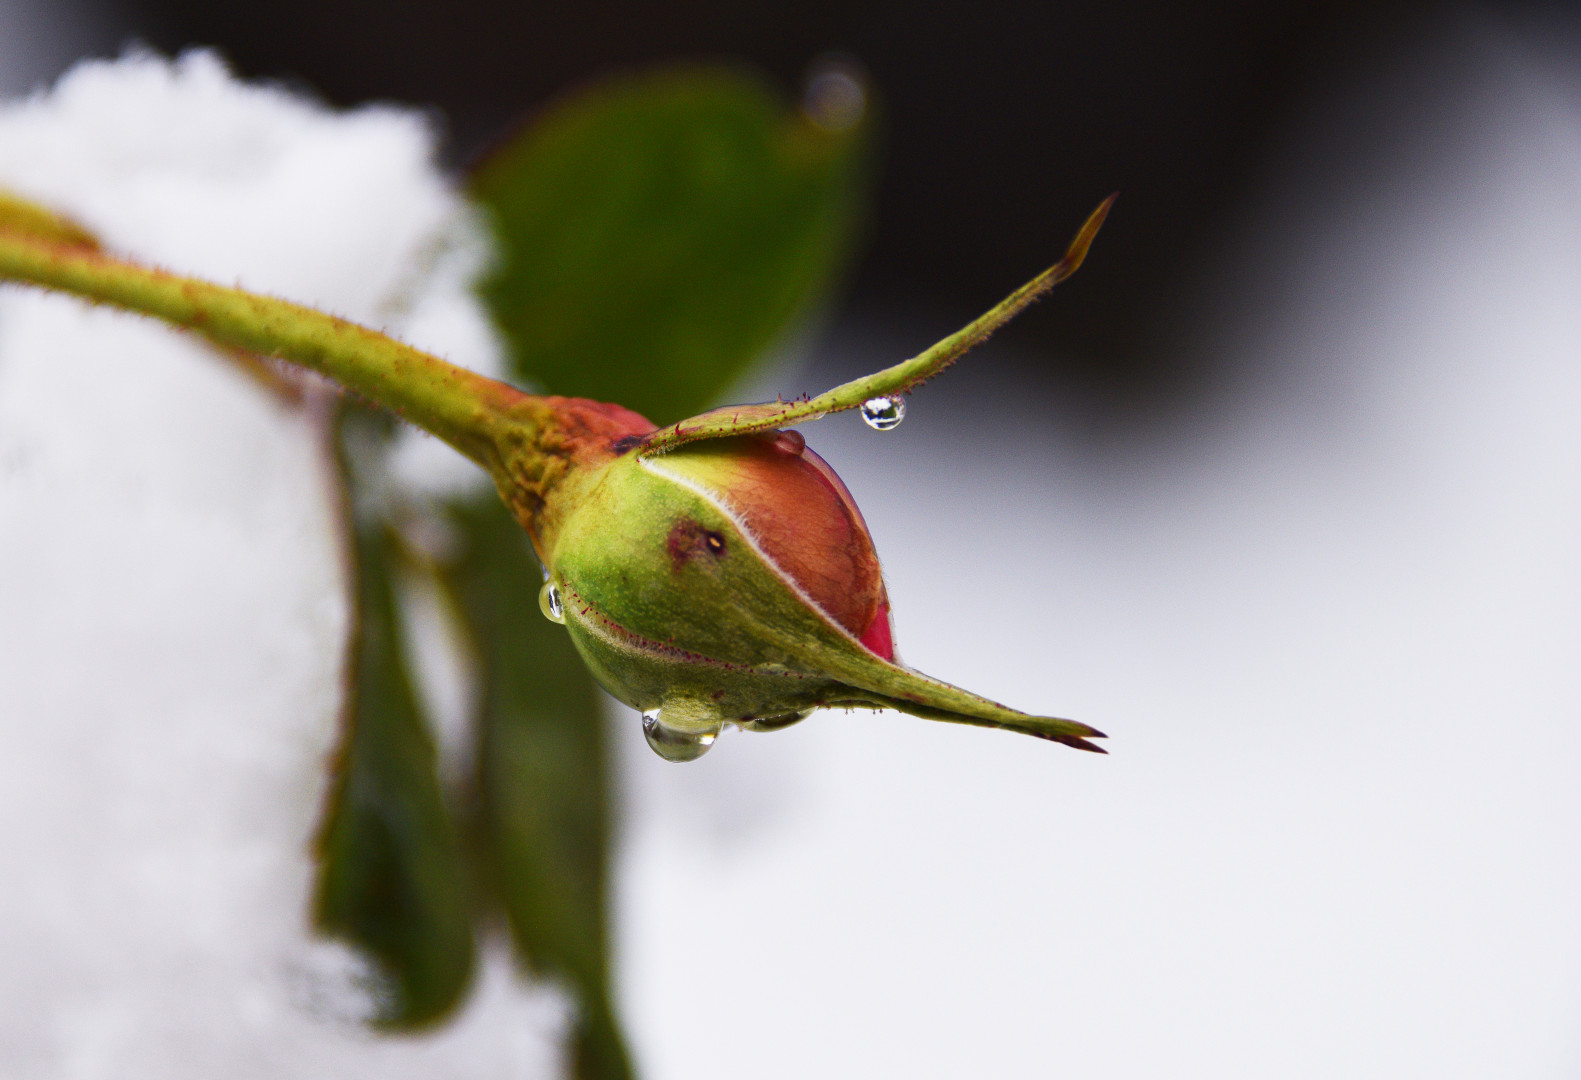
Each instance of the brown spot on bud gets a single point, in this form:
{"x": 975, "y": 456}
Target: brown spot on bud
{"x": 802, "y": 517}
{"x": 688, "y": 539}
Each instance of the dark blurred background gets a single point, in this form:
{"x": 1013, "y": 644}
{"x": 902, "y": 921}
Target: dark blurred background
{"x": 1003, "y": 126}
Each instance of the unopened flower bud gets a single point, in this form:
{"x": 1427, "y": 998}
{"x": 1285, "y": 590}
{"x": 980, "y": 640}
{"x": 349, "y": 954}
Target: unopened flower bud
{"x": 713, "y": 572}
{"x": 733, "y": 580}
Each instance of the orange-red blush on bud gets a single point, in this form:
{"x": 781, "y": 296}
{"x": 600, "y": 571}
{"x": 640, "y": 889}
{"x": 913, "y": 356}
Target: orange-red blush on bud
{"x": 801, "y": 517}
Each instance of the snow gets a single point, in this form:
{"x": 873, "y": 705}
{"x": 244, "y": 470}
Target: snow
{"x": 173, "y": 606}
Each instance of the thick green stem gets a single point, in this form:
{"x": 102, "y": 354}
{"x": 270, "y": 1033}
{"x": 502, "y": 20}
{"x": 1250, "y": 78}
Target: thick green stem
{"x": 21, "y": 216}
{"x": 477, "y": 415}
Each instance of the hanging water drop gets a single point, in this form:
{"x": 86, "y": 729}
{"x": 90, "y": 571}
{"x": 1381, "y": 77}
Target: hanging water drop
{"x": 673, "y": 744}
{"x": 549, "y": 600}
{"x": 883, "y": 413}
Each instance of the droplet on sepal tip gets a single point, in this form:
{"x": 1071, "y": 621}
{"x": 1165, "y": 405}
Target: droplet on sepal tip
{"x": 549, "y": 600}
{"x": 883, "y": 413}
{"x": 674, "y": 744}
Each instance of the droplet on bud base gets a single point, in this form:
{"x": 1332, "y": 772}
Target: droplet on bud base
{"x": 549, "y": 600}
{"x": 883, "y": 413}
{"x": 673, "y": 744}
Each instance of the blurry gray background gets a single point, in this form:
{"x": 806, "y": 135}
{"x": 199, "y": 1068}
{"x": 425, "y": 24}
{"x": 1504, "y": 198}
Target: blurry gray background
{"x": 1282, "y": 491}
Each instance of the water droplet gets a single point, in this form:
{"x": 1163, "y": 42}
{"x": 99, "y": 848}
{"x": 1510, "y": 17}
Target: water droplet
{"x": 774, "y": 723}
{"x": 549, "y": 600}
{"x": 883, "y": 413}
{"x": 835, "y": 98}
{"x": 792, "y": 442}
{"x": 673, "y": 744}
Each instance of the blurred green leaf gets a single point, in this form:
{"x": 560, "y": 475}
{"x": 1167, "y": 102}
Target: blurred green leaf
{"x": 391, "y": 877}
{"x": 659, "y": 233}
{"x": 542, "y": 778}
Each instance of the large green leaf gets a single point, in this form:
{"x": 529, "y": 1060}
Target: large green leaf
{"x": 659, "y": 233}
{"x": 543, "y": 768}
{"x": 391, "y": 878}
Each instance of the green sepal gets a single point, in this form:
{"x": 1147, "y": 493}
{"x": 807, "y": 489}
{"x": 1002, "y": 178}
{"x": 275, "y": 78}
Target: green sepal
{"x": 900, "y": 378}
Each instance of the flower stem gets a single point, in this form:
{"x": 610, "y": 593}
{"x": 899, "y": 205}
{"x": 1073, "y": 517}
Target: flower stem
{"x": 476, "y": 415}
{"x": 19, "y": 215}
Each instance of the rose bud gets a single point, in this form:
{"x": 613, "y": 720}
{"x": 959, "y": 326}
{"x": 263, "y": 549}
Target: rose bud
{"x": 714, "y": 571}
{"x": 733, "y": 580}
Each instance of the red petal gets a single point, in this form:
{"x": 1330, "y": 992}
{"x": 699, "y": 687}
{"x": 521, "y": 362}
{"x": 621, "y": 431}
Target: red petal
{"x": 879, "y": 637}
{"x": 802, "y": 517}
